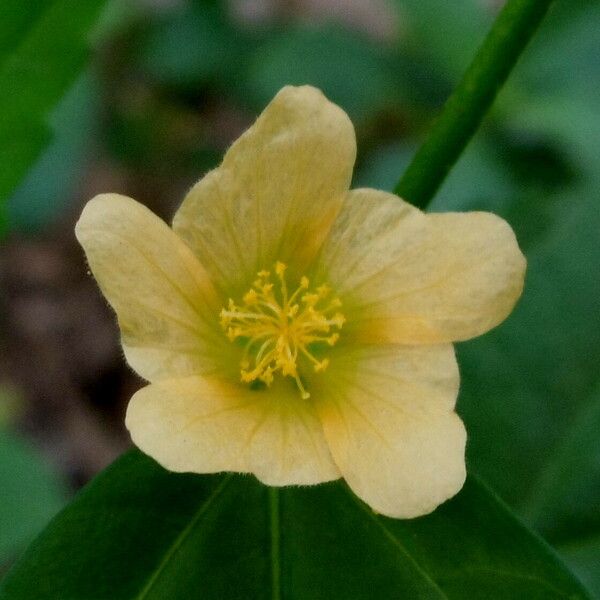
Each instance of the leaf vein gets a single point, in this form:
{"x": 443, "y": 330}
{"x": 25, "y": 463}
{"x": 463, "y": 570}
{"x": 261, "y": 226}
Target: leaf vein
{"x": 180, "y": 539}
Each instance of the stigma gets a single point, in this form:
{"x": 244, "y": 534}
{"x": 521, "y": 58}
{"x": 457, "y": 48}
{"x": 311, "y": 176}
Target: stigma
{"x": 279, "y": 327}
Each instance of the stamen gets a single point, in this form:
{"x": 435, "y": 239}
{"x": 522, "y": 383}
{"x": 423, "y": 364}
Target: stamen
{"x": 278, "y": 327}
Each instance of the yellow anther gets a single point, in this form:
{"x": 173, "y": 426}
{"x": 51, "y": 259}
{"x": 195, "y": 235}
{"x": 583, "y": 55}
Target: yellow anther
{"x": 247, "y": 376}
{"x": 323, "y": 290}
{"x": 278, "y": 330}
{"x": 338, "y": 320}
{"x": 287, "y": 367}
{"x": 233, "y": 333}
{"x": 280, "y": 269}
{"x": 267, "y": 376}
{"x": 293, "y": 311}
{"x": 322, "y": 365}
{"x": 311, "y": 299}
{"x": 250, "y": 297}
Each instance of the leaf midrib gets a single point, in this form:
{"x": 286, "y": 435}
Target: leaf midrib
{"x": 180, "y": 539}
{"x": 275, "y": 526}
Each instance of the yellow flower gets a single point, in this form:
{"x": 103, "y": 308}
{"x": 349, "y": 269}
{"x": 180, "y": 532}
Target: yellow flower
{"x": 294, "y": 329}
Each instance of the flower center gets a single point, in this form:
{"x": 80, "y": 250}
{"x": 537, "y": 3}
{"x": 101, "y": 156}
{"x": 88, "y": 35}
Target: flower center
{"x": 279, "y": 327}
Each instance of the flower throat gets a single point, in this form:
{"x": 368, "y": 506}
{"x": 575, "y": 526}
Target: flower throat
{"x": 280, "y": 327}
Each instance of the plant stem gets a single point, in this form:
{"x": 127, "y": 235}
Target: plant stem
{"x": 467, "y": 105}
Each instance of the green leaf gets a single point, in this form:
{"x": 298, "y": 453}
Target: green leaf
{"x": 31, "y": 494}
{"x": 140, "y": 532}
{"x": 46, "y": 52}
{"x": 564, "y": 503}
{"x": 583, "y": 556}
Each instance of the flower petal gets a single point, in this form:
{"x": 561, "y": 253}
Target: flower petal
{"x": 387, "y": 413}
{"x": 276, "y": 193}
{"x": 204, "y": 425}
{"x": 167, "y": 309}
{"x": 410, "y": 277}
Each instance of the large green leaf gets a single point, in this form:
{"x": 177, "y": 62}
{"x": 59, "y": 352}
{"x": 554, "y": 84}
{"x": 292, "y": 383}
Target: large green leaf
{"x": 41, "y": 53}
{"x": 140, "y": 532}
{"x": 583, "y": 556}
{"x": 564, "y": 503}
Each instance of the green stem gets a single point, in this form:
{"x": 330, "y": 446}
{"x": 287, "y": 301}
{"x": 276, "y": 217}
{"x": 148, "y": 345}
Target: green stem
{"x": 468, "y": 104}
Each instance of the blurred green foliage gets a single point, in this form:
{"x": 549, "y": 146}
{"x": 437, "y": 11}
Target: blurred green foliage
{"x": 31, "y": 490}
{"x": 31, "y": 494}
{"x": 356, "y": 74}
{"x": 50, "y": 183}
{"x": 42, "y": 50}
{"x": 530, "y": 389}
{"x": 211, "y": 46}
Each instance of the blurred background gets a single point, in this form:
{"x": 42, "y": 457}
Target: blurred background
{"x": 168, "y": 84}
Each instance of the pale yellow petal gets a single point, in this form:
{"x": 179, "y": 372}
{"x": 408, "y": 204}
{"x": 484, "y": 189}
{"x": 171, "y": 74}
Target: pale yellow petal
{"x": 203, "y": 425}
{"x": 410, "y": 277}
{"x": 276, "y": 193}
{"x": 387, "y": 413}
{"x": 166, "y": 307}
